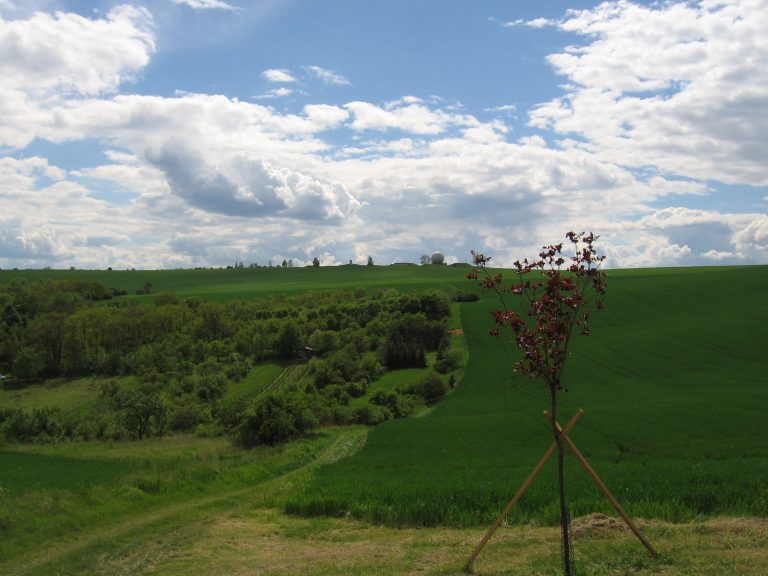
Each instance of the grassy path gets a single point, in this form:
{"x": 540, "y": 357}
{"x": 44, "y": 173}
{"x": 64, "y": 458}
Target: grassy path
{"x": 254, "y": 541}
{"x": 86, "y": 551}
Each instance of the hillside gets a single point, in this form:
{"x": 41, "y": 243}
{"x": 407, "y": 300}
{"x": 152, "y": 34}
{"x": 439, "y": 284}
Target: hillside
{"x": 672, "y": 381}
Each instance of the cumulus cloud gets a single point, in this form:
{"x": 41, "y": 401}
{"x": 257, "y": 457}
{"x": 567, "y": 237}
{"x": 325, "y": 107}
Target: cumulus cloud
{"x": 408, "y": 115}
{"x": 753, "y": 238}
{"x": 67, "y": 53}
{"x": 201, "y": 179}
{"x": 249, "y": 188}
{"x": 29, "y": 245}
{"x": 678, "y": 235}
{"x": 48, "y": 58}
{"x": 278, "y": 75}
{"x": 679, "y": 86}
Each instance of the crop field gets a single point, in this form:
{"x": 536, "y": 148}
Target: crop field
{"x": 672, "y": 381}
{"x": 248, "y": 283}
{"x": 673, "y": 384}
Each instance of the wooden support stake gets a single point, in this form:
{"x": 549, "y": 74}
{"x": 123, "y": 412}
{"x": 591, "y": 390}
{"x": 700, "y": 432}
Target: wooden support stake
{"x": 603, "y": 488}
{"x": 519, "y": 493}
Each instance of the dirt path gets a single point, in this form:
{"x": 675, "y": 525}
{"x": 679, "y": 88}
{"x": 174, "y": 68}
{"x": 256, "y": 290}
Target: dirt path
{"x": 30, "y": 564}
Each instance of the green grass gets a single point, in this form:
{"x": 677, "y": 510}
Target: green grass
{"x": 59, "y": 393}
{"x": 231, "y": 284}
{"x": 53, "y": 492}
{"x": 257, "y": 381}
{"x": 23, "y": 472}
{"x": 672, "y": 381}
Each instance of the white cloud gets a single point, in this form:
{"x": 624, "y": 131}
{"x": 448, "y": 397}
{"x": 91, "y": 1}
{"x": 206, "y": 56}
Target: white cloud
{"x": 678, "y": 86}
{"x": 327, "y": 76}
{"x": 325, "y": 116}
{"x": 249, "y": 188}
{"x": 67, "y": 53}
{"x": 509, "y": 109}
{"x": 408, "y": 116}
{"x": 753, "y": 238}
{"x": 49, "y": 58}
{"x": 281, "y": 92}
{"x": 278, "y": 75}
{"x": 535, "y": 23}
{"x": 201, "y": 179}
{"x": 678, "y": 235}
{"x": 645, "y": 251}
{"x": 718, "y": 255}
{"x": 206, "y": 4}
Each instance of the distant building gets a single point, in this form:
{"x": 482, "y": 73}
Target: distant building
{"x": 306, "y": 353}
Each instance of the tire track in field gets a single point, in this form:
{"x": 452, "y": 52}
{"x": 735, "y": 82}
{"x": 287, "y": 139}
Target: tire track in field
{"x": 346, "y": 444}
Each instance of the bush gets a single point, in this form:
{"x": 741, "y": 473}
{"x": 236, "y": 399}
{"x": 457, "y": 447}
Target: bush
{"x": 186, "y": 417}
{"x": 431, "y": 388}
{"x": 448, "y": 361}
{"x": 39, "y": 424}
{"x": 275, "y": 418}
{"x": 371, "y": 414}
{"x": 400, "y": 405}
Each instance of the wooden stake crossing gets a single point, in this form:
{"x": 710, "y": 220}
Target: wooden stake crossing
{"x": 528, "y": 481}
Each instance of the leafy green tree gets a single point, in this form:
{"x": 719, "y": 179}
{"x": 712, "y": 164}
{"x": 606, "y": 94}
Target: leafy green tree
{"x": 28, "y": 364}
{"x": 142, "y": 413}
{"x": 431, "y": 388}
{"x": 275, "y": 418}
{"x": 288, "y": 340}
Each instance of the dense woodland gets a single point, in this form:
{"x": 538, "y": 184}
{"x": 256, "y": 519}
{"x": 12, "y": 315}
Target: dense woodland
{"x": 169, "y": 366}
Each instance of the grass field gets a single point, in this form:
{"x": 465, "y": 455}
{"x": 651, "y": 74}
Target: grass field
{"x": 247, "y": 283}
{"x": 672, "y": 381}
{"x": 673, "y": 384}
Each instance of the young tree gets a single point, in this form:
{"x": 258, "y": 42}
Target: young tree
{"x": 560, "y": 289}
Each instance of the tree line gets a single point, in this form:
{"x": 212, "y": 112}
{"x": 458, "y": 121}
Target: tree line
{"x": 174, "y": 361}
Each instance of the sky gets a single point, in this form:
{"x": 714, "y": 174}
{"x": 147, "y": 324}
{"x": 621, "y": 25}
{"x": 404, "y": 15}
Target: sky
{"x": 196, "y": 133}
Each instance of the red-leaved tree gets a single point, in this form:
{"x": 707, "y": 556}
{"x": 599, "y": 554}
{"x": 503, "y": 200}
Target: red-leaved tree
{"x": 560, "y": 289}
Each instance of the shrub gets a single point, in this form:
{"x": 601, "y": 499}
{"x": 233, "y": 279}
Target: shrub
{"x": 275, "y": 418}
{"x": 431, "y": 388}
{"x": 448, "y": 361}
{"x": 371, "y": 414}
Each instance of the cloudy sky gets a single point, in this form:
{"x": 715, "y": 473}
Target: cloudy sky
{"x": 182, "y": 133}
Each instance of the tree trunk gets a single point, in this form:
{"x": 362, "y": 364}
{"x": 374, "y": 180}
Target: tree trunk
{"x": 565, "y": 534}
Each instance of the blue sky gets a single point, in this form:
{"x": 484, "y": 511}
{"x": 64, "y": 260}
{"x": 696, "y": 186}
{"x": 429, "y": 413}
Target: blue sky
{"x": 182, "y": 133}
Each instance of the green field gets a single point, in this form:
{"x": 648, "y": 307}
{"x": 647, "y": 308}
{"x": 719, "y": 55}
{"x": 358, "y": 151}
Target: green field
{"x": 673, "y": 384}
{"x": 247, "y": 283}
{"x": 672, "y": 381}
